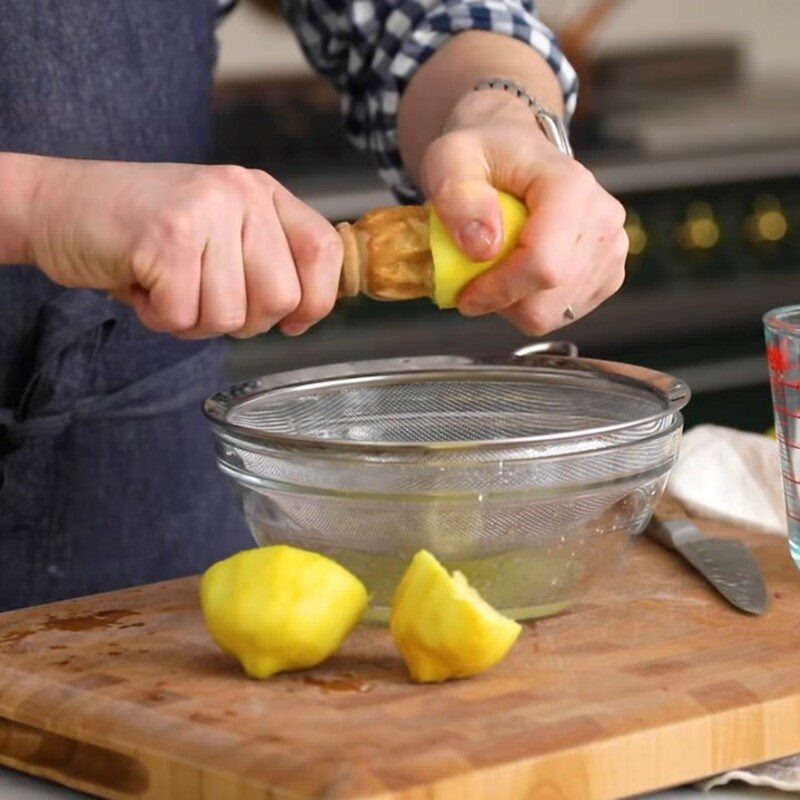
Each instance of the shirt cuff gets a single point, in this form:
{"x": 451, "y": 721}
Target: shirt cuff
{"x": 418, "y": 29}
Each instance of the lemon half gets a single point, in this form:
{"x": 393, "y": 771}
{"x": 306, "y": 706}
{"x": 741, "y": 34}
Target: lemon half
{"x": 452, "y": 270}
{"x": 280, "y": 608}
{"x": 442, "y": 626}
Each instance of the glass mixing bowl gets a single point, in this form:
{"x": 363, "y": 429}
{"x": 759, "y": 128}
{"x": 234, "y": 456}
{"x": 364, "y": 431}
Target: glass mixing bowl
{"x": 528, "y": 473}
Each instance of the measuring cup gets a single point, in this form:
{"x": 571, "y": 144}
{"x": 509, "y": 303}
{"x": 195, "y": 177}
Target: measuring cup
{"x": 782, "y": 332}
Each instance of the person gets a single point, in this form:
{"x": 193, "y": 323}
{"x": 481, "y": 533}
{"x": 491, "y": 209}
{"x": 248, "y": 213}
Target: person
{"x": 144, "y": 256}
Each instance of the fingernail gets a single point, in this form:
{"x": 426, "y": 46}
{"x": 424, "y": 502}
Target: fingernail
{"x": 475, "y": 308}
{"x": 476, "y": 234}
{"x": 293, "y": 329}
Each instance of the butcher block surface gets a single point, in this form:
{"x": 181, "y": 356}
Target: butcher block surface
{"x": 652, "y": 681}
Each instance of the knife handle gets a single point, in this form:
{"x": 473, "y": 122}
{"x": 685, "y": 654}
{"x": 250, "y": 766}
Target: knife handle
{"x": 673, "y": 533}
{"x": 669, "y": 508}
{"x": 670, "y": 526}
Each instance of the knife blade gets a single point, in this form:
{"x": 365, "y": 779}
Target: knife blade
{"x": 726, "y": 564}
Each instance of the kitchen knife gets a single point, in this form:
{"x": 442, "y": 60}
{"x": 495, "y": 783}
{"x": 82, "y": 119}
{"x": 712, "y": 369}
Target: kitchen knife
{"x": 726, "y": 564}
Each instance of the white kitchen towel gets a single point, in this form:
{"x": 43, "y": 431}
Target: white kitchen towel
{"x": 736, "y": 476}
{"x": 730, "y": 475}
{"x": 783, "y": 774}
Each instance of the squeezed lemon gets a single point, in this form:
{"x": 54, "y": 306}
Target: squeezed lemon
{"x": 279, "y": 608}
{"x": 442, "y": 626}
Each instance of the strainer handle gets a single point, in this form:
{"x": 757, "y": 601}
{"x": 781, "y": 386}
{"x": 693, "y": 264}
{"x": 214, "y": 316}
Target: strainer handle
{"x": 549, "y": 348}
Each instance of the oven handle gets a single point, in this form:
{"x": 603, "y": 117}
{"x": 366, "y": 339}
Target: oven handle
{"x": 562, "y": 348}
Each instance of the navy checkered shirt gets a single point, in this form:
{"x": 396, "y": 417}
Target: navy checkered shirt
{"x": 370, "y": 49}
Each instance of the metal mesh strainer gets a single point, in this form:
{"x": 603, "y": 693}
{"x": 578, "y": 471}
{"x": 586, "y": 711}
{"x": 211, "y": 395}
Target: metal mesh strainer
{"x": 462, "y": 404}
{"x": 431, "y": 407}
{"x": 471, "y": 458}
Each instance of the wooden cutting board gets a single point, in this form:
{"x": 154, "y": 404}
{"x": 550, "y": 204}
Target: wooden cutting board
{"x": 652, "y": 681}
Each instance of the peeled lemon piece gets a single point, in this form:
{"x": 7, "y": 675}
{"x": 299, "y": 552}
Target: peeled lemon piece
{"x": 452, "y": 270}
{"x": 442, "y": 626}
{"x": 280, "y": 608}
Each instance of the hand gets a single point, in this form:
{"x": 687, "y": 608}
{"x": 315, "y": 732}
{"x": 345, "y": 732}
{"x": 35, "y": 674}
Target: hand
{"x": 572, "y": 250}
{"x": 197, "y": 251}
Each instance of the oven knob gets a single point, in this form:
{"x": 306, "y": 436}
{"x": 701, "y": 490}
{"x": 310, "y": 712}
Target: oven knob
{"x": 767, "y": 223}
{"x": 700, "y": 230}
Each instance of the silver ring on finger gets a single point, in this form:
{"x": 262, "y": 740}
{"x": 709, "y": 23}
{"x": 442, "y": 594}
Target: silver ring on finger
{"x": 569, "y": 313}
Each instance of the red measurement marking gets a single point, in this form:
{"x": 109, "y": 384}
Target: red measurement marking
{"x": 792, "y": 516}
{"x": 790, "y": 479}
{"x": 781, "y": 382}
{"x": 786, "y": 413}
{"x": 777, "y": 360}
{"x": 784, "y": 441}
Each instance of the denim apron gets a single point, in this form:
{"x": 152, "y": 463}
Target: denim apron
{"x": 107, "y": 473}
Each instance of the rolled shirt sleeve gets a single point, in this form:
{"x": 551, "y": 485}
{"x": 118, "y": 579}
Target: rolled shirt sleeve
{"x": 370, "y": 50}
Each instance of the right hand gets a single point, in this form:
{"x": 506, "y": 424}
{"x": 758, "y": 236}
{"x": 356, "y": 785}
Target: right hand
{"x": 571, "y": 251}
{"x": 198, "y": 251}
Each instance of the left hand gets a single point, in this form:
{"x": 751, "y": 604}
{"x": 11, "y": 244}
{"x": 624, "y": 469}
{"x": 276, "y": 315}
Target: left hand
{"x": 572, "y": 249}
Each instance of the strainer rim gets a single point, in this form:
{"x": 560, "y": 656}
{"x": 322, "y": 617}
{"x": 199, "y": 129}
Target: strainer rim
{"x": 672, "y": 392}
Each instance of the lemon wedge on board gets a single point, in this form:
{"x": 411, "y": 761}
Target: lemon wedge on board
{"x": 442, "y": 626}
{"x": 280, "y": 608}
